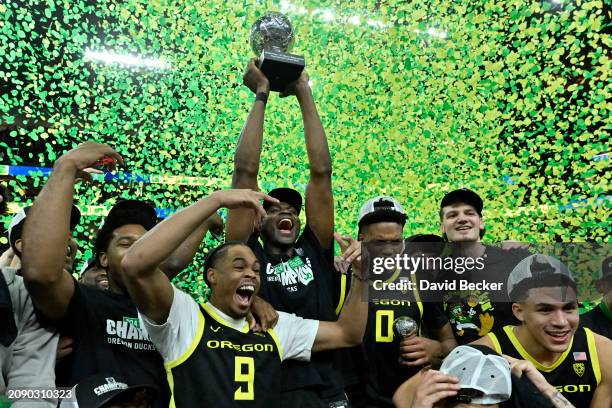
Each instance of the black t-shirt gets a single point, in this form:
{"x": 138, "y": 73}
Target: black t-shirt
{"x": 474, "y": 313}
{"x": 108, "y": 339}
{"x": 307, "y": 285}
{"x": 599, "y": 320}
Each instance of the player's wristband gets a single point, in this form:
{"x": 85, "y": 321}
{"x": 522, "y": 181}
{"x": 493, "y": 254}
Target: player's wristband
{"x": 261, "y": 96}
{"x": 354, "y": 275}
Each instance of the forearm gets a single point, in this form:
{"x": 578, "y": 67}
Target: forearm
{"x": 248, "y": 151}
{"x": 316, "y": 142}
{"x": 354, "y": 315}
{"x": 557, "y": 399}
{"x": 46, "y": 229}
{"x": 447, "y": 346}
{"x": 183, "y": 255}
{"x": 149, "y": 252}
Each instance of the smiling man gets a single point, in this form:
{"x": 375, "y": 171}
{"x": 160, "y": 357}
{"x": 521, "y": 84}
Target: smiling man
{"x": 297, "y": 268}
{"x": 211, "y": 356}
{"x": 94, "y": 275}
{"x": 571, "y": 359}
{"x": 474, "y": 313}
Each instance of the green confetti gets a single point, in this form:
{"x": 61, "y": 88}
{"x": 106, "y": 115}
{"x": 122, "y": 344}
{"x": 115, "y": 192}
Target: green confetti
{"x": 508, "y": 98}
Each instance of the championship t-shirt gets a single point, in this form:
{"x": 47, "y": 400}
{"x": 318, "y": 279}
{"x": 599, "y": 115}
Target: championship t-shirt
{"x": 474, "y": 313}
{"x": 307, "y": 285}
{"x": 108, "y": 338}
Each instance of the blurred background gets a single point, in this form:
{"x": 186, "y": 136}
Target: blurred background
{"x": 509, "y": 98}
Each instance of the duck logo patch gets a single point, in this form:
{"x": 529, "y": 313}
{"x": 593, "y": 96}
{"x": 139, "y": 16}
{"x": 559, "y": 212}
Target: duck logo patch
{"x": 579, "y": 369}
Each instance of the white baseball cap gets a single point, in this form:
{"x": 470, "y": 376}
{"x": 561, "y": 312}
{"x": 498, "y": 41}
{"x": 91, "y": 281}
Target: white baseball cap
{"x": 486, "y": 374}
{"x": 381, "y": 209}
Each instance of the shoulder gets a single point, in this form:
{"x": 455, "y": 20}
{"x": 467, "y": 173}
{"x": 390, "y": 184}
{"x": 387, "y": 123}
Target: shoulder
{"x": 182, "y": 301}
{"x": 308, "y": 237}
{"x": 310, "y": 246}
{"x": 84, "y": 294}
{"x": 486, "y": 340}
{"x": 291, "y": 325}
{"x": 18, "y": 294}
{"x": 604, "y": 347}
{"x": 286, "y": 321}
{"x": 8, "y": 273}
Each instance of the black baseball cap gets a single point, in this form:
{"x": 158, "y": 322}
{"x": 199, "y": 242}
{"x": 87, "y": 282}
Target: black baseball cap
{"x": 15, "y": 228}
{"x": 125, "y": 212}
{"x": 101, "y": 390}
{"x": 285, "y": 195}
{"x": 463, "y": 195}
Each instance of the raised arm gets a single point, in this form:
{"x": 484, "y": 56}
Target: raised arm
{"x": 46, "y": 230}
{"x": 246, "y": 159}
{"x": 183, "y": 255}
{"x": 319, "y": 198}
{"x": 148, "y": 286}
{"x": 349, "y": 329}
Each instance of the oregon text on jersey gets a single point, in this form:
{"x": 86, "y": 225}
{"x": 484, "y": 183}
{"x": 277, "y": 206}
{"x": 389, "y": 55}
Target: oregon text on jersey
{"x": 215, "y": 344}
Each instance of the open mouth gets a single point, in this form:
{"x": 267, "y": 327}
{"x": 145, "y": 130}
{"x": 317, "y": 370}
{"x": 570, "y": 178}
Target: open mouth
{"x": 463, "y": 228}
{"x": 559, "y": 337}
{"x": 285, "y": 226}
{"x": 102, "y": 280}
{"x": 244, "y": 294}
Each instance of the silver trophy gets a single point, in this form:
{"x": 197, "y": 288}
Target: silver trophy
{"x": 403, "y": 327}
{"x": 271, "y": 37}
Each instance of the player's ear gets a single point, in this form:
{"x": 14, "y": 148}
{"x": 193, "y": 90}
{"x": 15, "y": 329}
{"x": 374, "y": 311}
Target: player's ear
{"x": 18, "y": 245}
{"x": 103, "y": 260}
{"x": 517, "y": 310}
{"x": 211, "y": 275}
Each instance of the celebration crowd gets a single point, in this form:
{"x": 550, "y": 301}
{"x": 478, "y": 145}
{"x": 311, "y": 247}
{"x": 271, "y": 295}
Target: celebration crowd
{"x": 287, "y": 324}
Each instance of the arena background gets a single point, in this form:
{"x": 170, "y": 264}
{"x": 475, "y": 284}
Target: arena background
{"x": 510, "y": 98}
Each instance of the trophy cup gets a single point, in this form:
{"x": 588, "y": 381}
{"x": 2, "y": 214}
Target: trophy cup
{"x": 271, "y": 37}
{"x": 403, "y": 327}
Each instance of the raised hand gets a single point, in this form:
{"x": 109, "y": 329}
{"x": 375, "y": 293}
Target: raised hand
{"x": 265, "y": 313}
{"x": 298, "y": 86}
{"x": 351, "y": 253}
{"x": 434, "y": 387}
{"x": 87, "y": 155}
{"x": 243, "y": 198}
{"x": 254, "y": 79}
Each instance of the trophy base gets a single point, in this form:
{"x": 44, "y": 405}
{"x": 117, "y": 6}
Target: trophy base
{"x": 280, "y": 68}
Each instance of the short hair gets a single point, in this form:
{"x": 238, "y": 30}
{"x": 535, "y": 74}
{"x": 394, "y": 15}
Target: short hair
{"x": 5, "y": 198}
{"x": 520, "y": 292}
{"x": 216, "y": 254}
{"x": 16, "y": 233}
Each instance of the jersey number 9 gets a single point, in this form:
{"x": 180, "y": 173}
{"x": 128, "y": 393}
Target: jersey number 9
{"x": 244, "y": 372}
